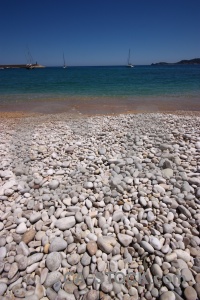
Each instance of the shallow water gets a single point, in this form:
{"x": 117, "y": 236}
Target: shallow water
{"x": 103, "y": 87}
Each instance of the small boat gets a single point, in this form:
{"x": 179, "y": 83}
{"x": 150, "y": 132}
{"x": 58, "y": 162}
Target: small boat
{"x": 129, "y": 64}
{"x": 64, "y": 64}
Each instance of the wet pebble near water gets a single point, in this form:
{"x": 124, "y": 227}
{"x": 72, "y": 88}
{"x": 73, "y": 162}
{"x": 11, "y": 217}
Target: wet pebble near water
{"x": 89, "y": 205}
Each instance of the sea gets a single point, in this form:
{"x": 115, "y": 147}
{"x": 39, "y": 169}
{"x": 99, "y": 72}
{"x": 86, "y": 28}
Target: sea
{"x": 108, "y": 82}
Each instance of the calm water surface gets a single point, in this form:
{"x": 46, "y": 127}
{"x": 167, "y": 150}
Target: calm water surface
{"x": 144, "y": 81}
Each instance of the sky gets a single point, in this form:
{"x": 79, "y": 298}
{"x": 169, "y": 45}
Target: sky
{"x": 99, "y": 32}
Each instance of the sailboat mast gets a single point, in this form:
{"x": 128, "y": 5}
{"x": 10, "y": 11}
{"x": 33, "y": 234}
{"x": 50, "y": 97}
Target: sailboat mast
{"x": 64, "y": 59}
{"x": 129, "y": 55}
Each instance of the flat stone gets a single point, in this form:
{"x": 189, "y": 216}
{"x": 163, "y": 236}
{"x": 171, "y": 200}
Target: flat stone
{"x": 147, "y": 247}
{"x": 184, "y": 211}
{"x": 57, "y": 244}
{"x": 65, "y": 223}
{"x": 3, "y": 288}
{"x": 187, "y": 274}
{"x": 124, "y": 239}
{"x": 34, "y": 258}
{"x": 154, "y": 241}
{"x": 34, "y": 217}
{"x": 28, "y": 236}
{"x": 13, "y": 270}
{"x": 182, "y": 255}
{"x": 3, "y": 252}
{"x": 167, "y": 173}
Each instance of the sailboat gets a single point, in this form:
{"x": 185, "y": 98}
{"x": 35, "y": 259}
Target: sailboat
{"x": 129, "y": 64}
{"x": 64, "y": 65}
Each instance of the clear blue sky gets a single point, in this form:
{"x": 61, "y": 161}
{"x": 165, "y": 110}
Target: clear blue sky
{"x": 99, "y": 32}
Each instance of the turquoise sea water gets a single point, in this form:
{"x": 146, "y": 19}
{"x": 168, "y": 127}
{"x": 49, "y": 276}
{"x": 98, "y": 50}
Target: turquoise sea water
{"x": 22, "y": 84}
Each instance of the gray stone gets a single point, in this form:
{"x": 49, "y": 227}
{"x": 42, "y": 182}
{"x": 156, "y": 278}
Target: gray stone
{"x": 124, "y": 239}
{"x": 52, "y": 278}
{"x": 54, "y": 184}
{"x": 65, "y": 223}
{"x": 34, "y": 258}
{"x": 86, "y": 259}
{"x": 57, "y": 244}
{"x": 156, "y": 270}
{"x": 53, "y": 261}
{"x": 106, "y": 243}
{"x": 168, "y": 296}
{"x": 147, "y": 247}
{"x": 3, "y": 288}
{"x": 73, "y": 259}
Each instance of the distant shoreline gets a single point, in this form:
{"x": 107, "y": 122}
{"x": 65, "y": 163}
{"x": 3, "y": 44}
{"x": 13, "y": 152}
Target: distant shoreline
{"x": 194, "y": 61}
{"x": 33, "y": 66}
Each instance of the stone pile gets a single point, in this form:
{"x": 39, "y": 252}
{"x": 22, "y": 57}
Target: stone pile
{"x": 100, "y": 208}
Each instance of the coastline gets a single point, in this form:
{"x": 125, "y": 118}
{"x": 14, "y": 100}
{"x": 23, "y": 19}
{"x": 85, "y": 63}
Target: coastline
{"x": 99, "y": 105}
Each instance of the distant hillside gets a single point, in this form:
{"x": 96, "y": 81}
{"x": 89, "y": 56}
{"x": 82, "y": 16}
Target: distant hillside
{"x": 194, "y": 61}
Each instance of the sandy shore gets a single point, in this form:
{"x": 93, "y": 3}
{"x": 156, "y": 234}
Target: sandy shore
{"x": 99, "y": 106}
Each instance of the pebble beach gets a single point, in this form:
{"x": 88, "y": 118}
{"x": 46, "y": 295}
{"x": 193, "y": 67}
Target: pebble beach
{"x": 100, "y": 207}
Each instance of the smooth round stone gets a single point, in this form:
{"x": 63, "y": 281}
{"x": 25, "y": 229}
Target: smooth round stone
{"x": 3, "y": 288}
{"x": 53, "y": 261}
{"x": 21, "y": 228}
{"x": 28, "y": 236}
{"x": 91, "y": 247}
{"x": 154, "y": 241}
{"x": 52, "y": 278}
{"x": 65, "y": 223}
{"x": 57, "y": 244}
{"x": 190, "y": 293}
{"x": 134, "y": 293}
{"x": 86, "y": 259}
{"x": 88, "y": 203}
{"x": 150, "y": 216}
{"x": 46, "y": 197}
{"x": 88, "y": 185}
{"x": 73, "y": 259}
{"x": 167, "y": 228}
{"x": 143, "y": 201}
{"x": 92, "y": 295}
{"x": 147, "y": 247}
{"x": 124, "y": 239}
{"x": 106, "y": 287}
{"x": 54, "y": 184}
{"x": 156, "y": 270}
{"x": 79, "y": 217}
{"x": 1, "y": 226}
{"x": 168, "y": 296}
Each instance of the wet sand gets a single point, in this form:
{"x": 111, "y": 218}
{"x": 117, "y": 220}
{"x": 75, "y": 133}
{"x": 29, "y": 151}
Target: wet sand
{"x": 98, "y": 106}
